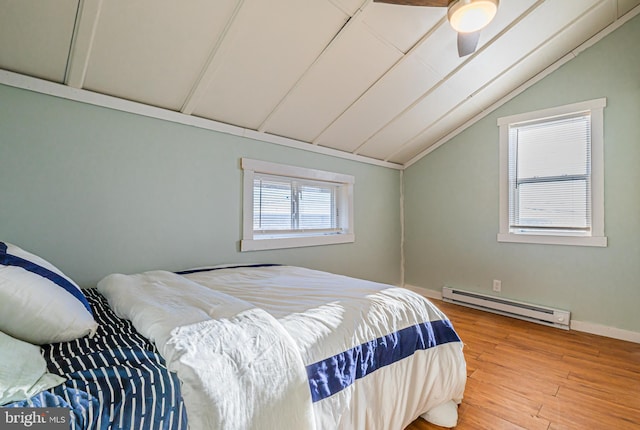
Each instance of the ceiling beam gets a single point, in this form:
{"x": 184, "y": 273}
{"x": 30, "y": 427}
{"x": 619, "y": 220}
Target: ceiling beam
{"x": 84, "y": 32}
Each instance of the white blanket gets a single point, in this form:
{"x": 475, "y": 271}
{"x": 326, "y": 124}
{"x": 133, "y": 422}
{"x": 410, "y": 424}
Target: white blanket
{"x": 296, "y": 348}
{"x": 207, "y": 337}
{"x": 328, "y": 314}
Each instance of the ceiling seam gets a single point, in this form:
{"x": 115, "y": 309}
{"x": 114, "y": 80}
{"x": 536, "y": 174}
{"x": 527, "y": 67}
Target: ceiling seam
{"x": 72, "y": 41}
{"x": 83, "y": 35}
{"x": 381, "y": 38}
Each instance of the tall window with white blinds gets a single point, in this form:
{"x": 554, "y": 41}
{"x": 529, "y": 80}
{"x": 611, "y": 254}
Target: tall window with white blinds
{"x": 553, "y": 178}
{"x": 550, "y": 175}
{"x": 287, "y": 206}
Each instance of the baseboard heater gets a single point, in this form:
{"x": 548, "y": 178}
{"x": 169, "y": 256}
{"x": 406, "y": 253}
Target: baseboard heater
{"x": 511, "y": 308}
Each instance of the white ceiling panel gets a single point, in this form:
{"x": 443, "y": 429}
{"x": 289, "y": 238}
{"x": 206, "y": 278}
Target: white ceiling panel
{"x": 625, "y": 6}
{"x": 370, "y": 81}
{"x": 423, "y": 114}
{"x": 459, "y": 115}
{"x": 272, "y": 44}
{"x": 154, "y": 50}
{"x": 402, "y": 26}
{"x": 379, "y": 106}
{"x": 346, "y": 69}
{"x": 35, "y": 36}
{"x": 439, "y": 51}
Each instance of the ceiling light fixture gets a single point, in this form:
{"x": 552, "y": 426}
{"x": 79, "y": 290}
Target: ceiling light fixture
{"x": 468, "y": 16}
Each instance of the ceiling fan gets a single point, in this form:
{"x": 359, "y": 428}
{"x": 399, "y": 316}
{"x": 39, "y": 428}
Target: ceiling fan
{"x": 467, "y": 17}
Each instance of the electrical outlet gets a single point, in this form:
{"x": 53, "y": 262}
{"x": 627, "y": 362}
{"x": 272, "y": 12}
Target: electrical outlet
{"x": 497, "y": 285}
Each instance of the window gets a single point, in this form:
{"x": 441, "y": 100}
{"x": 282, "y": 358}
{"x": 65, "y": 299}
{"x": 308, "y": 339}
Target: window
{"x": 552, "y": 176}
{"x": 286, "y": 206}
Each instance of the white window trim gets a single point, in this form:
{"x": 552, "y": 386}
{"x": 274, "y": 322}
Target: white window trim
{"x": 250, "y": 243}
{"x": 597, "y": 237}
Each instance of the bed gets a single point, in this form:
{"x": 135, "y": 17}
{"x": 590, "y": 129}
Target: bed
{"x": 254, "y": 347}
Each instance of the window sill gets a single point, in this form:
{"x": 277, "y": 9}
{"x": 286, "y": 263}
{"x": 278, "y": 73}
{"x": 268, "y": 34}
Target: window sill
{"x": 294, "y": 242}
{"x": 600, "y": 241}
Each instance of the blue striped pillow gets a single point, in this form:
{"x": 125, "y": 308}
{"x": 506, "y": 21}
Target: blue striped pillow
{"x": 38, "y": 303}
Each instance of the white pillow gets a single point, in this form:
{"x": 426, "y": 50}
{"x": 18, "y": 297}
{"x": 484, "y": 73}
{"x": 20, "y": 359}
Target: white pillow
{"x": 23, "y": 371}
{"x": 444, "y": 415}
{"x": 38, "y": 303}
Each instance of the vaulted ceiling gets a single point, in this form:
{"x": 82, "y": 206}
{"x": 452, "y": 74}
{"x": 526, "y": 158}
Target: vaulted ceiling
{"x": 372, "y": 79}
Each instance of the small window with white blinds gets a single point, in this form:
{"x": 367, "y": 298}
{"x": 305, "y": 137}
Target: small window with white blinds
{"x": 287, "y": 206}
{"x": 552, "y": 176}
{"x": 292, "y": 205}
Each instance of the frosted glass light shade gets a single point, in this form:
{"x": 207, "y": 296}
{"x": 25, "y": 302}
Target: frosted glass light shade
{"x": 467, "y": 16}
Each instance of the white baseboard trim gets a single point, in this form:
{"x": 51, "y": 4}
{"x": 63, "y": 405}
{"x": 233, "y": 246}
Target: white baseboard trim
{"x": 607, "y": 331}
{"x": 582, "y": 326}
{"x": 431, "y": 294}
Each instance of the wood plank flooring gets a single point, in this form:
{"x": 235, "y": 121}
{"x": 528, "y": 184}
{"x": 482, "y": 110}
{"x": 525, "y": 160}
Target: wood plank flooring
{"x": 522, "y": 375}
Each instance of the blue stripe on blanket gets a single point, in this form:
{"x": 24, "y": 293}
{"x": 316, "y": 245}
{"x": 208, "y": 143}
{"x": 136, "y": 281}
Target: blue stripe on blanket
{"x": 332, "y": 375}
{"x": 208, "y": 269}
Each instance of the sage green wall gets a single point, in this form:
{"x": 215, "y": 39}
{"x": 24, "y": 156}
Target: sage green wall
{"x": 451, "y": 195}
{"x": 97, "y": 191}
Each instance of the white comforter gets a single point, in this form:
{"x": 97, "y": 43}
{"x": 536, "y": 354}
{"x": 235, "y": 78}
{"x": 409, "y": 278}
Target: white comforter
{"x": 290, "y": 348}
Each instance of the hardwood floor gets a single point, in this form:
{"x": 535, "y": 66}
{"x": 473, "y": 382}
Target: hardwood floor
{"x": 522, "y": 375}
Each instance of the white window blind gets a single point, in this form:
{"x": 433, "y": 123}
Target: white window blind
{"x": 550, "y": 175}
{"x": 282, "y": 204}
{"x": 288, "y": 206}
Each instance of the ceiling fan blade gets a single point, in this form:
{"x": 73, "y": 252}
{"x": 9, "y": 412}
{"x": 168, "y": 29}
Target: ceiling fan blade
{"x": 467, "y": 43}
{"x": 430, "y": 3}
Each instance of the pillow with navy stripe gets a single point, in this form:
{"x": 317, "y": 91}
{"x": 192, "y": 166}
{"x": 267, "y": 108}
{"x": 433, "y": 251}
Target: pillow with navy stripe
{"x": 38, "y": 303}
